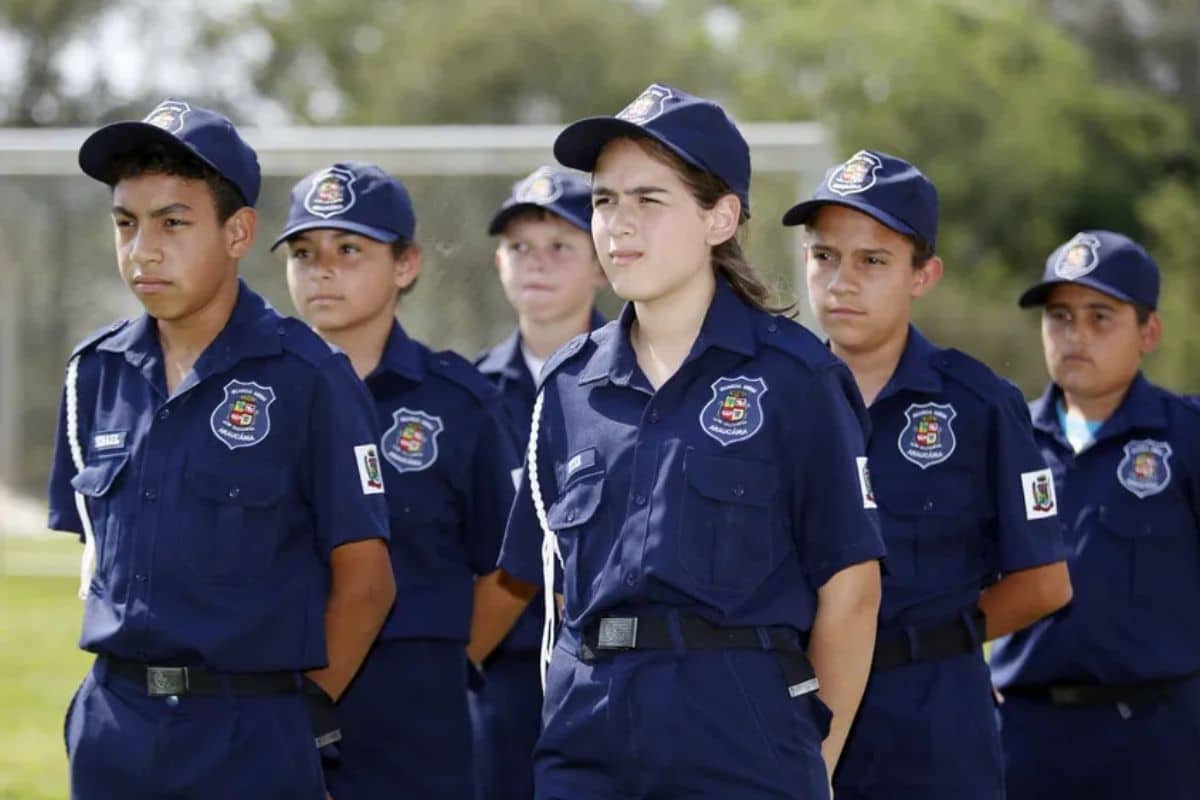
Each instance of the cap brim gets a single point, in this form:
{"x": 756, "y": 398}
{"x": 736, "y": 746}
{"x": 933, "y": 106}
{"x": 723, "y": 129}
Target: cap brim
{"x": 378, "y": 234}
{"x": 98, "y": 150}
{"x": 1037, "y": 295}
{"x": 579, "y": 145}
{"x": 801, "y": 213}
{"x": 504, "y": 216}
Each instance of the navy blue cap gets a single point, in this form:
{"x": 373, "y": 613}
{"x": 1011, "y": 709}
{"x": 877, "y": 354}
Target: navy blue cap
{"x": 564, "y": 193}
{"x": 884, "y": 187}
{"x": 1102, "y": 260}
{"x": 351, "y": 196}
{"x": 697, "y": 130}
{"x": 205, "y": 134}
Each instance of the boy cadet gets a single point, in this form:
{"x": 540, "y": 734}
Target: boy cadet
{"x": 1102, "y": 700}
{"x": 973, "y": 552}
{"x": 220, "y": 458}
{"x": 550, "y": 273}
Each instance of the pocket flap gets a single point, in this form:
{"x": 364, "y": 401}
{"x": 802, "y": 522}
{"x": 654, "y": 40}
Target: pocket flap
{"x": 94, "y": 480}
{"x": 238, "y": 488}
{"x": 1127, "y": 519}
{"x": 936, "y": 494}
{"x": 577, "y": 504}
{"x": 732, "y": 480}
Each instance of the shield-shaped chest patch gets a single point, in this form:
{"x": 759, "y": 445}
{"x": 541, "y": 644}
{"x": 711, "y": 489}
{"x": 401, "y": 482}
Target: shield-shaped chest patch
{"x": 928, "y": 437}
{"x": 410, "y": 445}
{"x": 1146, "y": 469}
{"x": 242, "y": 419}
{"x": 735, "y": 412}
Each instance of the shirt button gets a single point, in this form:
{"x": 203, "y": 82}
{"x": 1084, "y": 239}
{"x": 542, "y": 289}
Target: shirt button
{"x": 172, "y": 700}
{"x": 164, "y": 414}
{"x": 630, "y": 578}
{"x": 928, "y": 505}
{"x": 653, "y": 415}
{"x": 140, "y": 577}
{"x": 150, "y": 495}
{"x": 570, "y": 516}
{"x": 771, "y": 328}
{"x": 640, "y": 499}
{"x": 234, "y": 492}
{"x": 739, "y": 490}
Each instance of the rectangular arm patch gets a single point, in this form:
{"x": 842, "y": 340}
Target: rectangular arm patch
{"x": 1040, "y": 500}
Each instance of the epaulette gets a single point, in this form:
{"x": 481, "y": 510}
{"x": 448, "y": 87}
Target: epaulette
{"x": 299, "y": 339}
{"x": 96, "y": 337}
{"x": 1190, "y": 402}
{"x": 794, "y": 339}
{"x": 972, "y": 374}
{"x": 456, "y": 369}
{"x": 567, "y": 352}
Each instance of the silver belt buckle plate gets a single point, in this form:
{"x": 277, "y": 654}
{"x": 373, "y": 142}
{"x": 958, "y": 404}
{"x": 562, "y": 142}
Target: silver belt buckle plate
{"x": 617, "y": 633}
{"x": 162, "y": 681}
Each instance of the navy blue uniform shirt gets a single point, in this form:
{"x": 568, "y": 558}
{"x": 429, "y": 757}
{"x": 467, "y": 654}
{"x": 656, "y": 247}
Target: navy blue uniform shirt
{"x": 448, "y": 465}
{"x": 1130, "y": 512}
{"x": 215, "y": 509}
{"x": 732, "y": 493}
{"x": 964, "y": 495}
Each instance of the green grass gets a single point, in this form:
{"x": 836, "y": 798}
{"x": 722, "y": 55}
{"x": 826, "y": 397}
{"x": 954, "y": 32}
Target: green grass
{"x": 40, "y": 666}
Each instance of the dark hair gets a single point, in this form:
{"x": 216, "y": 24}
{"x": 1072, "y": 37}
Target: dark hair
{"x": 922, "y": 251}
{"x": 1143, "y": 313}
{"x": 728, "y": 258}
{"x": 157, "y": 159}
{"x": 399, "y": 248}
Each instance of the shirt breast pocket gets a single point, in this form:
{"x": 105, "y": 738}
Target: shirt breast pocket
{"x": 1155, "y": 538}
{"x": 234, "y": 536}
{"x": 582, "y": 530}
{"x": 98, "y": 483}
{"x": 728, "y": 539}
{"x": 931, "y": 523}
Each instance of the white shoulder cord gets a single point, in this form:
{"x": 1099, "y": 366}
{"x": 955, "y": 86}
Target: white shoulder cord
{"x": 550, "y": 549}
{"x": 87, "y": 563}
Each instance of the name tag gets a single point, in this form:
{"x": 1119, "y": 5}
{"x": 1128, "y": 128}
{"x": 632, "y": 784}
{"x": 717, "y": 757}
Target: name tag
{"x": 108, "y": 441}
{"x": 580, "y": 461}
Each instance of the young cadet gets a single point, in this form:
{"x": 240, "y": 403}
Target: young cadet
{"x": 1102, "y": 700}
{"x": 965, "y": 502}
{"x": 220, "y": 460}
{"x": 550, "y": 273}
{"x": 709, "y": 534}
{"x": 448, "y": 463}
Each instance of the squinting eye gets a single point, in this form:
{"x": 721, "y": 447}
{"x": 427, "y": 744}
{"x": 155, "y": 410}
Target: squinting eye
{"x": 600, "y": 201}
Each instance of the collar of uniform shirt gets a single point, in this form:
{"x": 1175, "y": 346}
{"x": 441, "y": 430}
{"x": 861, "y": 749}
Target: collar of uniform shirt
{"x": 914, "y": 372}
{"x": 728, "y": 324}
{"x": 1142, "y": 408}
{"x": 399, "y": 356}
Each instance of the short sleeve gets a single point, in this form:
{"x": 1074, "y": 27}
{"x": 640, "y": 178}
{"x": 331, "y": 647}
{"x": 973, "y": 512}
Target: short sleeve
{"x": 346, "y": 483}
{"x": 63, "y": 514}
{"x": 521, "y": 553}
{"x": 490, "y": 495}
{"x": 1027, "y": 525}
{"x": 836, "y": 526}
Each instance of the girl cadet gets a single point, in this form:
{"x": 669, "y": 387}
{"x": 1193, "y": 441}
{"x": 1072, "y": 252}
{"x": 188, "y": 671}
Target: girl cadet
{"x": 1102, "y": 701}
{"x": 447, "y": 463}
{"x": 966, "y": 504}
{"x": 698, "y": 462}
{"x": 550, "y": 273}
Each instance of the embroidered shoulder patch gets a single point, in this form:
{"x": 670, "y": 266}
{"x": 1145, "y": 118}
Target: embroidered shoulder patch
{"x": 1038, "y": 488}
{"x": 928, "y": 438}
{"x": 1146, "y": 468}
{"x": 242, "y": 419}
{"x": 735, "y": 412}
{"x": 410, "y": 445}
{"x": 369, "y": 476}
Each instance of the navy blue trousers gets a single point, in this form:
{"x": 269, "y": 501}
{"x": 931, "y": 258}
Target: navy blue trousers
{"x": 506, "y": 717}
{"x": 1099, "y": 753}
{"x": 702, "y": 725}
{"x": 405, "y": 727}
{"x": 125, "y": 745}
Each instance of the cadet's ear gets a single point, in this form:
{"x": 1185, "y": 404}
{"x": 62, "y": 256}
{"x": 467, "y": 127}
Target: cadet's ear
{"x": 240, "y": 230}
{"x": 723, "y": 219}
{"x": 407, "y": 266}
{"x": 1150, "y": 334}
{"x": 926, "y": 276}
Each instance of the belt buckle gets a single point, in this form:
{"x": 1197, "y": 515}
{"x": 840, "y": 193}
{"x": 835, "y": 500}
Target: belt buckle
{"x": 162, "y": 681}
{"x": 617, "y": 633}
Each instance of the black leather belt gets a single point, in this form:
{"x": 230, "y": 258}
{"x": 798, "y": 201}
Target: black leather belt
{"x": 163, "y": 681}
{"x": 931, "y": 643}
{"x": 1132, "y": 695}
{"x": 611, "y": 635}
